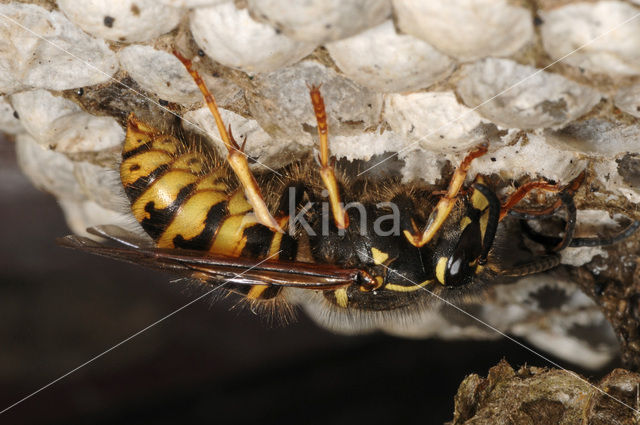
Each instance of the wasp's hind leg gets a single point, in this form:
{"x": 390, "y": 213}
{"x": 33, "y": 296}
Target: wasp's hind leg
{"x": 327, "y": 171}
{"x": 445, "y": 204}
{"x": 237, "y": 158}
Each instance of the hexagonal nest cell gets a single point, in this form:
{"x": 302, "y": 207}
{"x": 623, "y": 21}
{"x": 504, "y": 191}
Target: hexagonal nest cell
{"x": 410, "y": 87}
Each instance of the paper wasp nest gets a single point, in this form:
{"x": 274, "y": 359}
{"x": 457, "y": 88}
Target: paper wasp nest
{"x": 397, "y": 76}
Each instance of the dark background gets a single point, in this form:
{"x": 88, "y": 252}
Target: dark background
{"x": 60, "y": 308}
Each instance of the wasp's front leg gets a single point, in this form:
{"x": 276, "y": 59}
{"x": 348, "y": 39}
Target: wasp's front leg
{"x": 509, "y": 205}
{"x": 445, "y": 204}
{"x": 236, "y": 158}
{"x": 565, "y": 198}
{"x": 327, "y": 172}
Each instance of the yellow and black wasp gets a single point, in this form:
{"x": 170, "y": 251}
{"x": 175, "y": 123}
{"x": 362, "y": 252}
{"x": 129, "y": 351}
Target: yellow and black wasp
{"x": 362, "y": 246}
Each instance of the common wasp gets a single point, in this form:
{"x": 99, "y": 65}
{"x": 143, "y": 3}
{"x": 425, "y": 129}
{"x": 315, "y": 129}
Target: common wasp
{"x": 359, "y": 248}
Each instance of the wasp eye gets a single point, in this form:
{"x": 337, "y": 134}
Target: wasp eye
{"x": 456, "y": 267}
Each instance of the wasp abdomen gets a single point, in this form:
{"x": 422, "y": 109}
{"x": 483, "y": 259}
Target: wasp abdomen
{"x": 182, "y": 200}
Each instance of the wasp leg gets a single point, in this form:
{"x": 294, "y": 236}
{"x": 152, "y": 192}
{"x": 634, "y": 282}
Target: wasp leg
{"x": 236, "y": 157}
{"x": 579, "y": 242}
{"x": 538, "y": 265}
{"x": 551, "y": 242}
{"x": 521, "y": 192}
{"x": 630, "y": 230}
{"x": 537, "y": 215}
{"x": 544, "y": 262}
{"x": 445, "y": 204}
{"x": 290, "y": 203}
{"x": 284, "y": 246}
{"x": 570, "y": 226}
{"x": 327, "y": 172}
{"x": 565, "y": 199}
{"x": 518, "y": 195}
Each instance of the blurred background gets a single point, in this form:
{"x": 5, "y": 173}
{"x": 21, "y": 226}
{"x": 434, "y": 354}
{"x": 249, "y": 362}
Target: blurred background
{"x": 60, "y": 308}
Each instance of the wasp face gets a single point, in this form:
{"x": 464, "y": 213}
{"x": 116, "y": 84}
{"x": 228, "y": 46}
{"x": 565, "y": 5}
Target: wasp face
{"x": 401, "y": 273}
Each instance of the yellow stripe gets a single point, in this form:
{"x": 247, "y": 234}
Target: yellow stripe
{"x": 256, "y": 291}
{"x": 238, "y": 204}
{"x": 162, "y": 192}
{"x": 230, "y": 239}
{"x": 212, "y": 181}
{"x": 441, "y": 267}
{"x": 189, "y": 161}
{"x": 142, "y": 165}
{"x": 402, "y": 288}
{"x": 341, "y": 297}
{"x": 167, "y": 143}
{"x": 464, "y": 222}
{"x": 379, "y": 257}
{"x": 190, "y": 221}
{"x": 484, "y": 221}
{"x": 478, "y": 200}
{"x": 138, "y": 134}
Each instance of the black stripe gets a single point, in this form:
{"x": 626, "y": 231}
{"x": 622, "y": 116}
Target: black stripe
{"x": 270, "y": 292}
{"x": 204, "y": 240}
{"x": 298, "y": 190}
{"x": 288, "y": 248}
{"x": 136, "y": 151}
{"x": 138, "y": 187}
{"x": 258, "y": 241}
{"x": 158, "y": 220}
{"x": 405, "y": 205}
{"x": 239, "y": 289}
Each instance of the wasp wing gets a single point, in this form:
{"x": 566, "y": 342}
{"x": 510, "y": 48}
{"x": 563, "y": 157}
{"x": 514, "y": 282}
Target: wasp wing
{"x": 121, "y": 236}
{"x": 208, "y": 267}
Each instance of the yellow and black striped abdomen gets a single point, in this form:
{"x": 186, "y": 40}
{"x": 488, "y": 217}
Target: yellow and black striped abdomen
{"x": 182, "y": 200}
